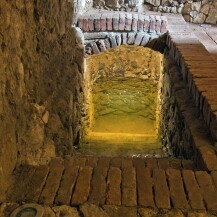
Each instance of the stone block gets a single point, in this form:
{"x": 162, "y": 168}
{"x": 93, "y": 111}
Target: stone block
{"x": 98, "y": 191}
{"x": 113, "y": 41}
{"x": 109, "y": 21}
{"x": 176, "y": 187}
{"x": 115, "y": 21}
{"x": 122, "y": 21}
{"x": 146, "y": 26}
{"x": 101, "y": 45}
{"x": 131, "y": 38}
{"x": 91, "y": 23}
{"x": 85, "y": 25}
{"x": 95, "y": 48}
{"x": 129, "y": 195}
{"x": 140, "y": 22}
{"x": 103, "y": 22}
{"x": 194, "y": 195}
{"x": 208, "y": 190}
{"x": 161, "y": 191}
{"x": 152, "y": 24}
{"x": 113, "y": 193}
{"x": 139, "y": 37}
{"x": 135, "y": 22}
{"x": 97, "y": 21}
{"x": 82, "y": 187}
{"x": 158, "y": 24}
{"x": 129, "y": 20}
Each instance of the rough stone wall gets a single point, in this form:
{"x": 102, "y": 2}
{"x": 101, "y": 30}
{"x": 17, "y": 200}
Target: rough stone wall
{"x": 196, "y": 11}
{"x": 40, "y": 83}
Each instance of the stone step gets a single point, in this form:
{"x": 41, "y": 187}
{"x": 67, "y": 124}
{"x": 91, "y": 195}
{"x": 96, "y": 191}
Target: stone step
{"x": 158, "y": 183}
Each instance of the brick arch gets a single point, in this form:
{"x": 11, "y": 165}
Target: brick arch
{"x": 106, "y": 29}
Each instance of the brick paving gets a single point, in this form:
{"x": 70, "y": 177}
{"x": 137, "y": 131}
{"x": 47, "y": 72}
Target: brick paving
{"x": 127, "y": 182}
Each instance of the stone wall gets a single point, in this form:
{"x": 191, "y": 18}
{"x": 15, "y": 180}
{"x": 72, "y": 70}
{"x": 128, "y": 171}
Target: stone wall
{"x": 123, "y": 62}
{"x": 40, "y": 84}
{"x": 196, "y": 11}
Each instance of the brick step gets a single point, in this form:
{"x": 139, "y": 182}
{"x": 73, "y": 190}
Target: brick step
{"x": 158, "y": 183}
{"x": 198, "y": 69}
{"x": 122, "y": 21}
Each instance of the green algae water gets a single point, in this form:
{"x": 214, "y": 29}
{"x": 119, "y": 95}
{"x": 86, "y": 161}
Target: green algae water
{"x": 123, "y": 118}
{"x": 124, "y": 106}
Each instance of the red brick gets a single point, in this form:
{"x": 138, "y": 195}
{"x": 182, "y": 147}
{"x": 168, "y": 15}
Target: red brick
{"x": 67, "y": 184}
{"x": 152, "y": 23}
{"x": 113, "y": 193}
{"x": 144, "y": 186}
{"x": 177, "y": 189}
{"x": 161, "y": 191}
{"x": 163, "y": 163}
{"x": 91, "y": 23}
{"x": 85, "y": 25}
{"x": 82, "y": 187}
{"x": 188, "y": 165}
{"x": 103, "y": 22}
{"x": 208, "y": 190}
{"x": 146, "y": 26}
{"x": 151, "y": 163}
{"x": 129, "y": 20}
{"x": 115, "y": 20}
{"x": 163, "y": 25}
{"x": 97, "y": 22}
{"x": 193, "y": 190}
{"x": 122, "y": 21}
{"x": 98, "y": 191}
{"x": 129, "y": 196}
{"x": 52, "y": 182}
{"x": 140, "y": 22}
{"x": 109, "y": 21}
{"x": 135, "y": 22}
